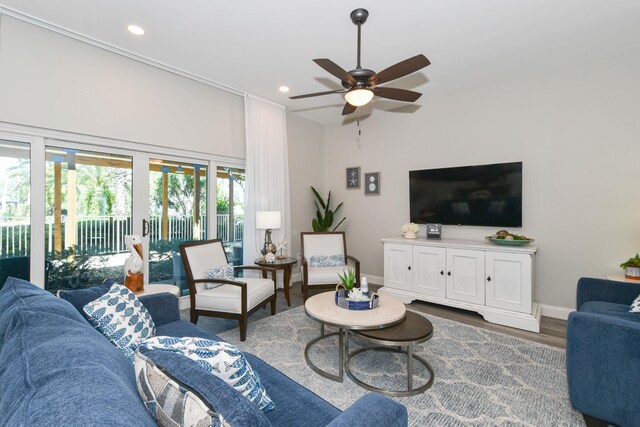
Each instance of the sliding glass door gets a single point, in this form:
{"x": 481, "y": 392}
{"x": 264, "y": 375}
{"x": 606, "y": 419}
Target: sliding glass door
{"x": 66, "y": 207}
{"x": 15, "y": 209}
{"x": 230, "y": 211}
{"x": 177, "y": 214}
{"x": 88, "y": 204}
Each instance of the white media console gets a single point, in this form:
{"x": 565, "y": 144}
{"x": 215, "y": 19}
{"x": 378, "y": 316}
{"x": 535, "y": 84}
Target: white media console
{"x": 493, "y": 280}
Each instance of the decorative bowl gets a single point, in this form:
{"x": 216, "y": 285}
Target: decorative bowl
{"x": 342, "y": 300}
{"x": 506, "y": 242}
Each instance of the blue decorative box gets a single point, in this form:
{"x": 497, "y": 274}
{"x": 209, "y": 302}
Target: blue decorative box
{"x": 342, "y": 300}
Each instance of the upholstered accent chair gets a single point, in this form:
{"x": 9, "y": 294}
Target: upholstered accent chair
{"x": 234, "y": 299}
{"x": 316, "y": 247}
{"x": 603, "y": 348}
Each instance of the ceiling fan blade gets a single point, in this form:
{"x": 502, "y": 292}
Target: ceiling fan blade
{"x": 397, "y": 94}
{"x": 309, "y": 95}
{"x": 400, "y": 69}
{"x": 335, "y": 69}
{"x": 348, "y": 109}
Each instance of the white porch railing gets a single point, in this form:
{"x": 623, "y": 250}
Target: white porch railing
{"x": 105, "y": 234}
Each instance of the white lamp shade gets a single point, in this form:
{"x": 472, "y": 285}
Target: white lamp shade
{"x": 266, "y": 220}
{"x": 358, "y": 97}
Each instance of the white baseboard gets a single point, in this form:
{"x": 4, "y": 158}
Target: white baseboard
{"x": 377, "y": 280}
{"x": 555, "y": 311}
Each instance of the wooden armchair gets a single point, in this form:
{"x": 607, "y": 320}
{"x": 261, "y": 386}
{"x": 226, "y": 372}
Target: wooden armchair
{"x": 316, "y": 248}
{"x": 235, "y": 299}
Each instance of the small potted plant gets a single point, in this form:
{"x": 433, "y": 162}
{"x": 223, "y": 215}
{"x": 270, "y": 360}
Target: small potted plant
{"x": 409, "y": 230}
{"x": 632, "y": 268}
{"x": 348, "y": 279}
{"x": 353, "y": 298}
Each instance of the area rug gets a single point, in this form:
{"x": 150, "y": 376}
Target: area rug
{"x": 482, "y": 378}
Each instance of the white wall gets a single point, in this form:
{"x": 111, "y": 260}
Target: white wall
{"x": 56, "y": 82}
{"x": 306, "y": 168}
{"x": 577, "y": 131}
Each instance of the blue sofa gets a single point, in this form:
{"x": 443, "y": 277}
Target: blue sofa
{"x": 603, "y": 353}
{"x": 57, "y": 370}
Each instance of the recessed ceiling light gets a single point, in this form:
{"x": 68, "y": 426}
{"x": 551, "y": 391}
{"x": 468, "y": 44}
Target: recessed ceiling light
{"x": 284, "y": 89}
{"x": 134, "y": 29}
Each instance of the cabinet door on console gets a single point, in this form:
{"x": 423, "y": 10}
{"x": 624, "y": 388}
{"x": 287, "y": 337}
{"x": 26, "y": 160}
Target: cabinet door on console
{"x": 508, "y": 281}
{"x": 429, "y": 264}
{"x": 397, "y": 266}
{"x": 465, "y": 275}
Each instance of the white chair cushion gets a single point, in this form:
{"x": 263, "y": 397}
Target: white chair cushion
{"x": 203, "y": 257}
{"x": 227, "y": 298}
{"x": 325, "y": 275}
{"x": 323, "y": 244}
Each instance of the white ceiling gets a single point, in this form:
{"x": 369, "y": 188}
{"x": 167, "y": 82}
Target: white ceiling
{"x": 256, "y": 46}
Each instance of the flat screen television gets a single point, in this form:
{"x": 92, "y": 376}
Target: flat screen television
{"x": 484, "y": 195}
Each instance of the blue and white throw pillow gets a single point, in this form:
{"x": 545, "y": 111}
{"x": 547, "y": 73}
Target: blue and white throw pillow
{"x": 168, "y": 402}
{"x": 635, "y": 305}
{"x": 223, "y": 272}
{"x": 121, "y": 317}
{"x": 221, "y": 359}
{"x": 326, "y": 260}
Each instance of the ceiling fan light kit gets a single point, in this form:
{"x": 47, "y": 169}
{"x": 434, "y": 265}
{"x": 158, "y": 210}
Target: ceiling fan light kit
{"x": 361, "y": 84}
{"x": 359, "y": 97}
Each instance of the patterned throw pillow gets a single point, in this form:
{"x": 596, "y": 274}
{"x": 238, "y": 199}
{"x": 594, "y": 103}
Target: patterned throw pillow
{"x": 168, "y": 402}
{"x": 122, "y": 318}
{"x": 221, "y": 359}
{"x": 223, "y": 272}
{"x": 635, "y": 305}
{"x": 326, "y": 260}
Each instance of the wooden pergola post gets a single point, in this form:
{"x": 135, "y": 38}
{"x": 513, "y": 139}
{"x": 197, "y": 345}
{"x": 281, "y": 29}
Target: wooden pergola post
{"x": 165, "y": 203}
{"x": 196, "y": 202}
{"x": 57, "y": 207}
{"x": 71, "y": 227}
{"x": 232, "y": 220}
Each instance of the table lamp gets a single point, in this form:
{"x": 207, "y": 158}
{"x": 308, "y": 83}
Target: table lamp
{"x": 268, "y": 220}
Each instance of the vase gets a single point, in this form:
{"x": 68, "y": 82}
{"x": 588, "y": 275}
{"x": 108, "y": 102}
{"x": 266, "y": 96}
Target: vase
{"x": 409, "y": 235}
{"x": 632, "y": 273}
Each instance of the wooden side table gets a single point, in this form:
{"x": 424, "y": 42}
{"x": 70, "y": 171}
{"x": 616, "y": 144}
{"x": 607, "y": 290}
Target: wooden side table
{"x": 156, "y": 289}
{"x": 284, "y": 264}
{"x": 621, "y": 278}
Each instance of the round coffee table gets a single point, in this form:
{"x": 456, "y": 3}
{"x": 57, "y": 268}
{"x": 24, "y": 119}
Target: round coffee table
{"x": 322, "y": 308}
{"x": 415, "y": 329}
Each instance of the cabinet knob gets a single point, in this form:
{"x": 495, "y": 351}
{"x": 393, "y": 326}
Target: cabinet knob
{"x": 409, "y": 267}
{"x": 448, "y": 273}
{"x": 442, "y": 272}
{"x": 489, "y": 279}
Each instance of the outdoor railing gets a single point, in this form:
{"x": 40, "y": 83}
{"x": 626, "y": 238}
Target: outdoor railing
{"x": 105, "y": 234}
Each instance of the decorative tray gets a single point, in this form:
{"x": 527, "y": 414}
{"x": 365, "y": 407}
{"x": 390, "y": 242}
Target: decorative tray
{"x": 343, "y": 301}
{"x": 506, "y": 242}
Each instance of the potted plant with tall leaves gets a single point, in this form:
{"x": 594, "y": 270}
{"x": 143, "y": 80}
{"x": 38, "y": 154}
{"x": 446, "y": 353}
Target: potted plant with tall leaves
{"x": 324, "y": 214}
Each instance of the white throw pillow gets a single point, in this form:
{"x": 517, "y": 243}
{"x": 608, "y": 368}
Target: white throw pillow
{"x": 221, "y": 359}
{"x": 635, "y": 305}
{"x": 224, "y": 272}
{"x": 120, "y": 316}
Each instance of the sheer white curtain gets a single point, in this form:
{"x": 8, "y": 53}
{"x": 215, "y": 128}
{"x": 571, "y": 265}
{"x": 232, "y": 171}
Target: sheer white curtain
{"x": 267, "y": 172}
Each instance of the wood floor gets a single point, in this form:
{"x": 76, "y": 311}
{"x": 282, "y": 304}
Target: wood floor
{"x": 552, "y": 331}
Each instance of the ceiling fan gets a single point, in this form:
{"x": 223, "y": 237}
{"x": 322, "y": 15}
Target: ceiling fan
{"x": 361, "y": 84}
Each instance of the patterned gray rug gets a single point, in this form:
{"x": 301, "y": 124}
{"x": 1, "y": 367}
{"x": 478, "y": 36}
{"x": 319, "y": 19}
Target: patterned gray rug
{"x": 482, "y": 378}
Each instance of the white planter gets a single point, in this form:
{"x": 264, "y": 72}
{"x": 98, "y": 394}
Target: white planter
{"x": 409, "y": 235}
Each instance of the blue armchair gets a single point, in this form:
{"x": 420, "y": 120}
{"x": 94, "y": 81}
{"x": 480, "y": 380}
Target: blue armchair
{"x": 603, "y": 353}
